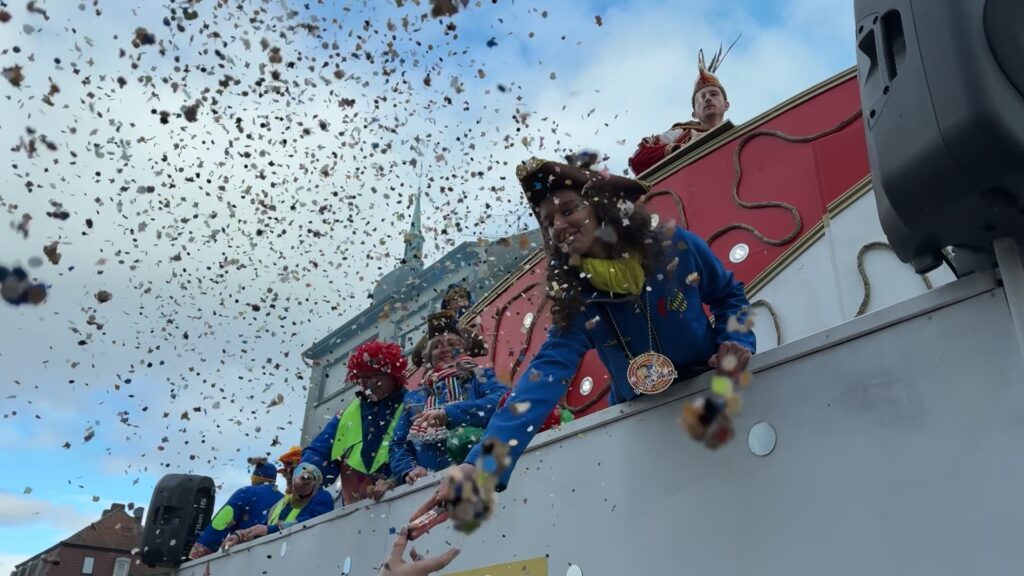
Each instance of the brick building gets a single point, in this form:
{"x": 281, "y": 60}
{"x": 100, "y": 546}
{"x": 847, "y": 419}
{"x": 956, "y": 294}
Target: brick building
{"x": 103, "y": 548}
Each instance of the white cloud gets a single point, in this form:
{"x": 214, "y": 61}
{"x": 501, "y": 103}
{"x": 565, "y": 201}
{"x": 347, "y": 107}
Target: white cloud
{"x": 9, "y": 561}
{"x": 24, "y": 510}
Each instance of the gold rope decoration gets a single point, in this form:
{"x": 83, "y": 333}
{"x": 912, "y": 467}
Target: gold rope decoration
{"x": 775, "y": 318}
{"x": 864, "y": 275}
{"x": 499, "y": 315}
{"x": 738, "y": 171}
{"x": 679, "y": 203}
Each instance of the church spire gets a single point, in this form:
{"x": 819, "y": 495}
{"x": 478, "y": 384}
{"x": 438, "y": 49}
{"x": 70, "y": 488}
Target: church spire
{"x": 414, "y": 237}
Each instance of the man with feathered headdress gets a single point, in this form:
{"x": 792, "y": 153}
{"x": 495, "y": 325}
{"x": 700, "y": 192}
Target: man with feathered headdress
{"x": 710, "y": 104}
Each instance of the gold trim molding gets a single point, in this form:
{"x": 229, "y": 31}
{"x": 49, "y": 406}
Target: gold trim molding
{"x": 834, "y": 208}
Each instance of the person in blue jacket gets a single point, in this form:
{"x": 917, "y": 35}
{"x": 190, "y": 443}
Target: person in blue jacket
{"x": 307, "y": 500}
{"x": 354, "y": 444}
{"x": 445, "y": 416}
{"x": 247, "y": 507}
{"x": 618, "y": 285}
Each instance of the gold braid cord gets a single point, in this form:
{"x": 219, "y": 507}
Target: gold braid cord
{"x": 738, "y": 171}
{"x": 675, "y": 197}
{"x": 499, "y": 315}
{"x": 864, "y": 275}
{"x": 775, "y": 318}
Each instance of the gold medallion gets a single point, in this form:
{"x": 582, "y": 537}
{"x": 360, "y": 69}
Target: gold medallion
{"x": 650, "y": 373}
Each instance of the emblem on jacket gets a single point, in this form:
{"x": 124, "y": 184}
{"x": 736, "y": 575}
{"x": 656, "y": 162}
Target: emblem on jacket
{"x": 675, "y": 302}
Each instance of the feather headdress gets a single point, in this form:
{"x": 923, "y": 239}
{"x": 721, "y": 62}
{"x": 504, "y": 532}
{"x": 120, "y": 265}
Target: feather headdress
{"x": 706, "y": 70}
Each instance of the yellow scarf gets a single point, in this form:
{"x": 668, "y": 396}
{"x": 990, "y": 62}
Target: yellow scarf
{"x": 620, "y": 275}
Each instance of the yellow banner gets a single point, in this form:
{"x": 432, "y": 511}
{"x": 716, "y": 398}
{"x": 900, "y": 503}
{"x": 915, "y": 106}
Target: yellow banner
{"x": 534, "y": 567}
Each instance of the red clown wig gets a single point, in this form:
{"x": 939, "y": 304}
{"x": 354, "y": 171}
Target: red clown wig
{"x": 374, "y": 357}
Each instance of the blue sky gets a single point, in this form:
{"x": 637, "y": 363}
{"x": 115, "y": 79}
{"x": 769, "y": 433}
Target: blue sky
{"x": 187, "y": 258}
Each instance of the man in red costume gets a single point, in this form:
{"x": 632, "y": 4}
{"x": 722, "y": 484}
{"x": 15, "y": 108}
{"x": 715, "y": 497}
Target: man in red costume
{"x": 709, "y": 106}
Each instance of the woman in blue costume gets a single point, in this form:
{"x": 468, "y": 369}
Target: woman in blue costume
{"x": 618, "y": 285}
{"x": 444, "y": 417}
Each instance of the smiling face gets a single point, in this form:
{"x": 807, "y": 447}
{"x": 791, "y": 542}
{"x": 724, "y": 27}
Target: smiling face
{"x": 709, "y": 106}
{"x": 444, "y": 348}
{"x": 570, "y": 223}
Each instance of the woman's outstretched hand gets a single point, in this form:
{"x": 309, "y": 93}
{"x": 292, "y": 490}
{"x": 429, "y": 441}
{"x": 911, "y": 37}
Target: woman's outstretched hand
{"x": 420, "y": 566}
{"x": 731, "y": 358}
{"x": 443, "y": 494}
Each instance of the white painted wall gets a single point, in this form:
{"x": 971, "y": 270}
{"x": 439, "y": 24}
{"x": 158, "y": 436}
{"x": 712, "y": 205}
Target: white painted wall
{"x": 822, "y": 286}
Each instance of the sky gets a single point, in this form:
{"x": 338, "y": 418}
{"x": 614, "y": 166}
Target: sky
{"x": 238, "y": 185}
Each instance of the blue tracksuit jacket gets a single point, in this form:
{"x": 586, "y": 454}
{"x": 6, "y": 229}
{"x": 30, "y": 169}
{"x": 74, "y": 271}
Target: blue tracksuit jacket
{"x": 684, "y": 331}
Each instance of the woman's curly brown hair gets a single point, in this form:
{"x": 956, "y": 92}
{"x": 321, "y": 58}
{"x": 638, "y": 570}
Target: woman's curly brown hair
{"x": 625, "y": 226}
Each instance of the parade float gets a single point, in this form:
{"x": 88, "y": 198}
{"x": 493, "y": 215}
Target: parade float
{"x": 879, "y": 435}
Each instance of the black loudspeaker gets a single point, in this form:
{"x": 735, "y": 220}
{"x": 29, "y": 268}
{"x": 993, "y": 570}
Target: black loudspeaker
{"x": 942, "y": 88}
{"x": 181, "y": 508}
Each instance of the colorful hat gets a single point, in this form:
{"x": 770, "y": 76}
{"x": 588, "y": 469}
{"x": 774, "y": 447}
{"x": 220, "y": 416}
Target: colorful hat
{"x": 310, "y": 470}
{"x": 262, "y": 471}
{"x": 443, "y": 322}
{"x": 540, "y": 178}
{"x": 291, "y": 457}
{"x": 374, "y": 357}
{"x": 454, "y": 291}
{"x": 706, "y": 72}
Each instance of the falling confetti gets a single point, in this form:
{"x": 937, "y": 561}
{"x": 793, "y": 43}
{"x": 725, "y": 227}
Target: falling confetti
{"x": 14, "y": 75}
{"x": 201, "y": 165}
{"x": 50, "y": 250}
{"x": 276, "y": 401}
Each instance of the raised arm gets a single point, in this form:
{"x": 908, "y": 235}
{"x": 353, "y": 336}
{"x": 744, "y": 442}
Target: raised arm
{"x": 538, "y": 391}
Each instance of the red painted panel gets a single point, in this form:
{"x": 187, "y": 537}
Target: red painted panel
{"x": 806, "y": 174}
